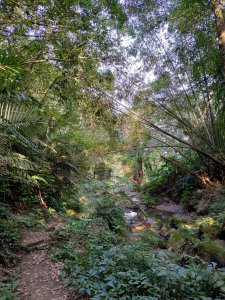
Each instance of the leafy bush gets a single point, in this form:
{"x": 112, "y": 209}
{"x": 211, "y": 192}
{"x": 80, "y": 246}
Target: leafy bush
{"x": 30, "y": 219}
{"x": 111, "y": 213}
{"x": 74, "y": 204}
{"x": 79, "y": 230}
{"x": 6, "y": 293}
{"x": 85, "y": 231}
{"x": 9, "y": 236}
{"x": 159, "y": 176}
{"x": 9, "y": 241}
{"x": 217, "y": 205}
{"x": 189, "y": 199}
{"x": 153, "y": 241}
{"x": 132, "y": 272}
{"x": 148, "y": 199}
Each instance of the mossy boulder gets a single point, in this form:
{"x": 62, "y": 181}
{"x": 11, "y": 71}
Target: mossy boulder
{"x": 205, "y": 237}
{"x": 212, "y": 251}
{"x": 210, "y": 230}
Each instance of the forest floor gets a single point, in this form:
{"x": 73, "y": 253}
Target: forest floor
{"x": 39, "y": 276}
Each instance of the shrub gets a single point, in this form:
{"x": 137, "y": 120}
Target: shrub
{"x": 132, "y": 272}
{"x": 9, "y": 236}
{"x": 35, "y": 218}
{"x": 159, "y": 176}
{"x": 6, "y": 293}
{"x": 9, "y": 230}
{"x": 153, "y": 241}
{"x": 148, "y": 200}
{"x": 74, "y": 204}
{"x": 111, "y": 213}
{"x": 189, "y": 199}
{"x": 79, "y": 230}
{"x": 217, "y": 205}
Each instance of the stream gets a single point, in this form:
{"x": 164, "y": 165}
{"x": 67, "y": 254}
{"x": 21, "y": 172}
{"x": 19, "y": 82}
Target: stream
{"x": 155, "y": 219}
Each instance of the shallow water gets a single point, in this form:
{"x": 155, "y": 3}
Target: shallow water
{"x": 154, "y": 219}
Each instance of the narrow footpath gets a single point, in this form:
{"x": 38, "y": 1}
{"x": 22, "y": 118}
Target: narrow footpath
{"x": 39, "y": 276}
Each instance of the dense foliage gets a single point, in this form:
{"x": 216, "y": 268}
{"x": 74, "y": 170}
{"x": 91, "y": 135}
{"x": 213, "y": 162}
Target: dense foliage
{"x": 96, "y": 94}
{"x": 105, "y": 269}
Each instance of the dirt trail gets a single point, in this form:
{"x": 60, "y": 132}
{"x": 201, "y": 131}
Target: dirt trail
{"x": 39, "y": 276}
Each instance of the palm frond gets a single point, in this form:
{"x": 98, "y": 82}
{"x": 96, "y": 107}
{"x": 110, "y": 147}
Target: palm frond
{"x": 17, "y": 114}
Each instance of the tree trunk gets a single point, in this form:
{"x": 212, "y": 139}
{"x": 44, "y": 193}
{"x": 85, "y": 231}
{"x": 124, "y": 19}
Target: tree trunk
{"x": 220, "y": 28}
{"x": 139, "y": 174}
{"x": 140, "y": 170}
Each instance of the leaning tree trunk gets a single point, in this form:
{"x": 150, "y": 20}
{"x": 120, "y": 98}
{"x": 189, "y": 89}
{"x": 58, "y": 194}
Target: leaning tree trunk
{"x": 220, "y": 28}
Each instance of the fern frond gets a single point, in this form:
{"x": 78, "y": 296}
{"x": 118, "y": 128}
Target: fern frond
{"x": 16, "y": 175}
{"x": 15, "y": 162}
{"x": 8, "y": 66}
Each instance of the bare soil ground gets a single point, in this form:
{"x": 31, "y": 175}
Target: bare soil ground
{"x": 39, "y": 276}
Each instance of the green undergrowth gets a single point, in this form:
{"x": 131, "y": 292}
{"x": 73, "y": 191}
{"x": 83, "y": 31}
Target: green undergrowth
{"x": 108, "y": 209}
{"x": 104, "y": 262}
{"x": 6, "y": 291}
{"x": 10, "y": 224}
{"x": 149, "y": 200}
{"x": 103, "y": 265}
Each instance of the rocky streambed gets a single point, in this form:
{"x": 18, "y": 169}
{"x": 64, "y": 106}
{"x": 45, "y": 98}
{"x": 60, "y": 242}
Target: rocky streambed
{"x": 179, "y": 230}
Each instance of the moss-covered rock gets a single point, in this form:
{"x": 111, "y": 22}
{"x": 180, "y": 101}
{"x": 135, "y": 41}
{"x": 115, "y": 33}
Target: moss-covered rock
{"x": 212, "y": 251}
{"x": 153, "y": 230}
{"x": 139, "y": 227}
{"x": 205, "y": 237}
{"x": 211, "y": 230}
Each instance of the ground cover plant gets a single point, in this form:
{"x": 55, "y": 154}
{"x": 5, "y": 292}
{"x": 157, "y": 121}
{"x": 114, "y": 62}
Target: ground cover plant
{"x": 6, "y": 292}
{"x": 104, "y": 263}
{"x": 104, "y": 269}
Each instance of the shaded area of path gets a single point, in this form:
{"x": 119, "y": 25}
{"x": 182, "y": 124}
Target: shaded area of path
{"x": 39, "y": 276}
